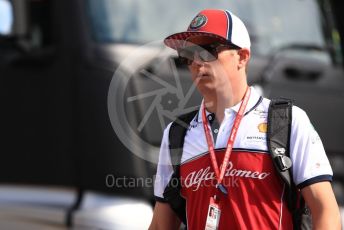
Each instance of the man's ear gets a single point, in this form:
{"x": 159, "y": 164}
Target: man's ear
{"x": 244, "y": 57}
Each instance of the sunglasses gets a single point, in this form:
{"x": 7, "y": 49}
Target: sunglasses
{"x": 206, "y": 53}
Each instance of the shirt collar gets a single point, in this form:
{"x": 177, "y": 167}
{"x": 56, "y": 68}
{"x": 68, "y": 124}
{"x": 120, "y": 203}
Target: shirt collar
{"x": 252, "y": 101}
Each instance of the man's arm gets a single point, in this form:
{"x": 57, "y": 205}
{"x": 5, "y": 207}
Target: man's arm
{"x": 164, "y": 218}
{"x": 323, "y": 205}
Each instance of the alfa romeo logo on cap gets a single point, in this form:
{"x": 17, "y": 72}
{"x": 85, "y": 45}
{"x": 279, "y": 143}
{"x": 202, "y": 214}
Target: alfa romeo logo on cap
{"x": 198, "y": 22}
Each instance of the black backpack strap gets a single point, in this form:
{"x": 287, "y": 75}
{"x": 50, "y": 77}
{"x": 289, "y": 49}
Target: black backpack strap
{"x": 278, "y": 136}
{"x": 278, "y": 141}
{"x": 176, "y": 136}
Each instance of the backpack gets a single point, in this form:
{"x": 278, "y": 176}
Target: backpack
{"x": 278, "y": 142}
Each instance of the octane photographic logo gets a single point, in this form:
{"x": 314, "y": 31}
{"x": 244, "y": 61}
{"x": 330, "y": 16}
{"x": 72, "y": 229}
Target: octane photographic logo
{"x": 147, "y": 91}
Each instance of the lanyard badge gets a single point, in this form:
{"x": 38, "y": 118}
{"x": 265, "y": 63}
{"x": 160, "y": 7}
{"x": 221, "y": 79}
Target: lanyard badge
{"x": 212, "y": 223}
{"x": 213, "y": 215}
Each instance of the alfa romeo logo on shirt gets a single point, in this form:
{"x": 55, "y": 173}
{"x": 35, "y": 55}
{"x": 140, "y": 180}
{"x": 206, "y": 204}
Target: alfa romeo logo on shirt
{"x": 198, "y": 22}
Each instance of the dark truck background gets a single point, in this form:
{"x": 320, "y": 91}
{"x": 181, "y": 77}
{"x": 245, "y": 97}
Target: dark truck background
{"x": 87, "y": 87}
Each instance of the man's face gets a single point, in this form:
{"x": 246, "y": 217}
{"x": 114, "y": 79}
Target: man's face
{"x": 213, "y": 76}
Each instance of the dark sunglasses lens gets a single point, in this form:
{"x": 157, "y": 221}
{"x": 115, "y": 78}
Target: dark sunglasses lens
{"x": 188, "y": 52}
{"x": 186, "y": 56}
{"x": 208, "y": 55}
{"x": 184, "y": 61}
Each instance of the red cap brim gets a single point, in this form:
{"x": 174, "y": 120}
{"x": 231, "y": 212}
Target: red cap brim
{"x": 178, "y": 40}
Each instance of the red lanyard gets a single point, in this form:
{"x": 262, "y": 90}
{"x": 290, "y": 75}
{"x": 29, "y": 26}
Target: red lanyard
{"x": 239, "y": 116}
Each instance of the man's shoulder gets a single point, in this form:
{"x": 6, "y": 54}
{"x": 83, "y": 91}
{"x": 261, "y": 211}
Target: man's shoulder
{"x": 297, "y": 112}
{"x": 299, "y": 116}
{"x": 167, "y": 128}
{"x": 181, "y": 119}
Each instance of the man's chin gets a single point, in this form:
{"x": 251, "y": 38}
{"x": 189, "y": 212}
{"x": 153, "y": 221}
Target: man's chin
{"x": 206, "y": 87}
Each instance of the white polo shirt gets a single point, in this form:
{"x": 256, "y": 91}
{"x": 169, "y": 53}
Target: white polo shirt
{"x": 250, "y": 166}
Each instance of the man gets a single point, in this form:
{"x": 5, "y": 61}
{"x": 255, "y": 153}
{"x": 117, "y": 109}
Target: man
{"x": 230, "y": 130}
